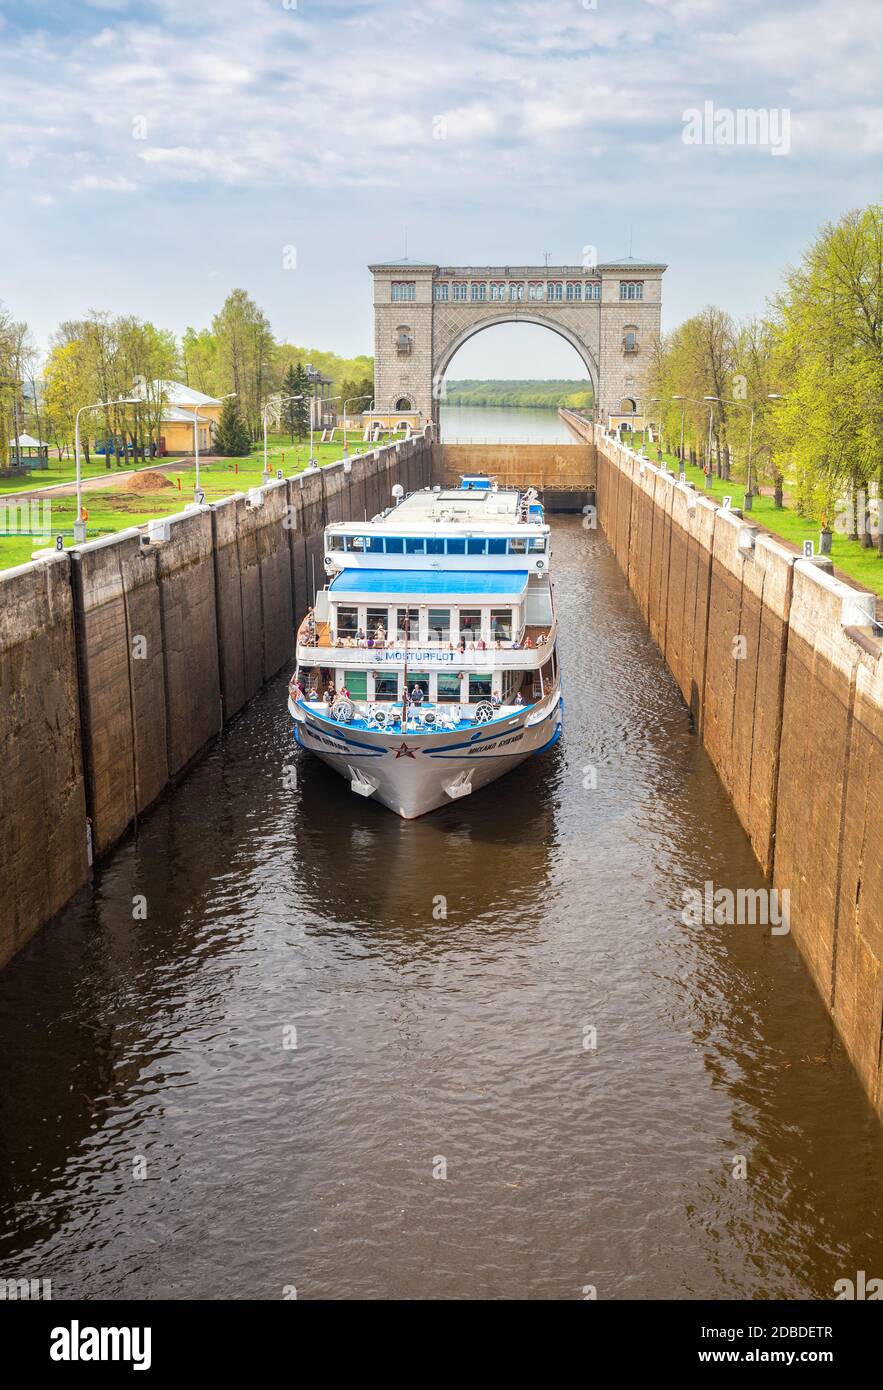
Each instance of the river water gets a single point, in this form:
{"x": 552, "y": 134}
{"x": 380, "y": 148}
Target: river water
{"x": 253, "y": 1087}
{"x": 467, "y": 424}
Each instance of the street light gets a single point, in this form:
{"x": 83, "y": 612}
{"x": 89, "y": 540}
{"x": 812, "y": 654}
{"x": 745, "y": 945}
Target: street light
{"x": 325, "y": 401}
{"x": 683, "y": 411}
{"x": 265, "y": 410}
{"x": 365, "y": 397}
{"x": 79, "y": 523}
{"x": 197, "y": 491}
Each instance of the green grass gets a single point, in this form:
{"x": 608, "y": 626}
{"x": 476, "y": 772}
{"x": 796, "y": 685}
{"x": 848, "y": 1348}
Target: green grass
{"x": 116, "y": 507}
{"x": 864, "y": 566}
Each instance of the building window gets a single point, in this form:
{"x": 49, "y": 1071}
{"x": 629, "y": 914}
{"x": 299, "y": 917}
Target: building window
{"x": 536, "y": 290}
{"x": 441, "y": 291}
{"x": 555, "y": 288}
{"x": 470, "y": 624}
{"x": 459, "y": 289}
{"x": 413, "y": 619}
{"x": 420, "y": 679}
{"x": 404, "y": 289}
{"x": 480, "y": 686}
{"x": 356, "y": 683}
{"x": 403, "y": 403}
{"x": 630, "y": 338}
{"x": 479, "y": 291}
{"x": 516, "y": 291}
{"x": 404, "y": 341}
{"x": 448, "y": 689}
{"x": 501, "y": 624}
{"x": 439, "y": 624}
{"x": 498, "y": 291}
{"x": 574, "y": 289}
{"x": 631, "y": 289}
{"x": 347, "y": 622}
{"x": 386, "y": 687}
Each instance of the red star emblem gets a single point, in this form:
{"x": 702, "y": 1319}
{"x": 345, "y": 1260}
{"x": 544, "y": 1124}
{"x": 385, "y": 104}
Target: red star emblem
{"x": 404, "y": 752}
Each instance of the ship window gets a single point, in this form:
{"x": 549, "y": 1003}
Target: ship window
{"x": 496, "y": 545}
{"x": 356, "y": 683}
{"x": 356, "y": 543}
{"x": 335, "y": 542}
{"x": 373, "y": 543}
{"x": 475, "y": 546}
{"x": 448, "y": 688}
{"x": 386, "y": 687}
{"x": 377, "y": 617}
{"x": 421, "y": 680}
{"x": 470, "y": 624}
{"x": 501, "y": 624}
{"x": 480, "y": 686}
{"x": 440, "y": 624}
{"x": 394, "y": 545}
{"x": 413, "y": 616}
{"x": 435, "y": 545}
{"x": 415, "y": 545}
{"x": 456, "y": 545}
{"x": 538, "y": 545}
{"x": 517, "y": 545}
{"x": 347, "y": 621}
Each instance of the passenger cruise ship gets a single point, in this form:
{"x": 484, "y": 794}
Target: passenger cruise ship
{"x": 428, "y": 667}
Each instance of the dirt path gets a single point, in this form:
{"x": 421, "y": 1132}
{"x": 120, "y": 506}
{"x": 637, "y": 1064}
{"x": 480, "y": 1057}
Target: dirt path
{"x": 108, "y": 479}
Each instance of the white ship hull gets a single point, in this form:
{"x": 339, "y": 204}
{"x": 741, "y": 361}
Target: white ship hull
{"x": 415, "y": 772}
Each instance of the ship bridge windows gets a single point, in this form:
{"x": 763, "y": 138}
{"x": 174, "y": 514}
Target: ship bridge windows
{"x": 435, "y": 545}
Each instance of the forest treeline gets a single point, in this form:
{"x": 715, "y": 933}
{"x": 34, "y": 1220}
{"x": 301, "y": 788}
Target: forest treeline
{"x": 802, "y": 383}
{"x": 577, "y": 394}
{"x": 102, "y": 357}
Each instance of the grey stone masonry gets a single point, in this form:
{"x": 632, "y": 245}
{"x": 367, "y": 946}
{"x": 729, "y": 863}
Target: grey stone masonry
{"x": 610, "y": 313}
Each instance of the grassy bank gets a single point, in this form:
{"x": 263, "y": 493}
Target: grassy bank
{"x": 118, "y": 506}
{"x": 864, "y": 566}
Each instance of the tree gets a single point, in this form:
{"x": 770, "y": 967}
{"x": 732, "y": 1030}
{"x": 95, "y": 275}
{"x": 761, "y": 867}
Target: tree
{"x": 290, "y": 408}
{"x": 232, "y": 438}
{"x": 245, "y": 348}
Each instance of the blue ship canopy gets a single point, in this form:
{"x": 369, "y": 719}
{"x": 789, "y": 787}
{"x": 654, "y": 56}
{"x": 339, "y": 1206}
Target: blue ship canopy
{"x": 391, "y": 581}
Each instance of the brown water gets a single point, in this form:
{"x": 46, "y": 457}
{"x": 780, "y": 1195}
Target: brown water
{"x": 420, "y": 1037}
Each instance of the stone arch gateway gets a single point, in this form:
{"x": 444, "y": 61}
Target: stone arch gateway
{"x": 589, "y": 306}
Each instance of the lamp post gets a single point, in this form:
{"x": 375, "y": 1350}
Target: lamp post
{"x": 197, "y": 491}
{"x": 683, "y": 400}
{"x": 79, "y": 523}
{"x": 265, "y": 411}
{"x": 366, "y": 397}
{"x": 710, "y": 424}
{"x": 327, "y": 401}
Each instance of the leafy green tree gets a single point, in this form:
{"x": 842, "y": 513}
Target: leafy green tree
{"x": 232, "y": 437}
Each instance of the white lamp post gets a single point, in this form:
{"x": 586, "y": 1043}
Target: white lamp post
{"x": 326, "y": 401}
{"x": 265, "y": 411}
{"x": 79, "y": 523}
{"x": 366, "y": 397}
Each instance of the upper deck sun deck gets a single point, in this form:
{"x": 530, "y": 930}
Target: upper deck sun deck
{"x": 491, "y": 510}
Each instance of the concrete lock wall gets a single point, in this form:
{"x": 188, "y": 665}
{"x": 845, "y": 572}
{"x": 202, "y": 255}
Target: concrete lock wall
{"x": 563, "y": 473}
{"x": 777, "y": 661}
{"x": 121, "y": 660}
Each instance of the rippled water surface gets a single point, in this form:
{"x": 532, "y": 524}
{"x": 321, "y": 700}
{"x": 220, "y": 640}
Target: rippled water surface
{"x": 420, "y": 1038}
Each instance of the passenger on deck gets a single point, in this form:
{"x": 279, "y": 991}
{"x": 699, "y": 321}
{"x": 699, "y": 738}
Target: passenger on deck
{"x": 380, "y": 634}
{"x": 518, "y": 699}
{"x": 528, "y": 642}
{"x": 416, "y": 695}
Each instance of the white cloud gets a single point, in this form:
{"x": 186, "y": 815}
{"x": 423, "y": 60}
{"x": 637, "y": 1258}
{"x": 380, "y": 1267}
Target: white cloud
{"x": 99, "y": 183}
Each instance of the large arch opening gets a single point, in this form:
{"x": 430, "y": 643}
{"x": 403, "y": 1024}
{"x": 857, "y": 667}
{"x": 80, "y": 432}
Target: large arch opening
{"x": 503, "y": 381}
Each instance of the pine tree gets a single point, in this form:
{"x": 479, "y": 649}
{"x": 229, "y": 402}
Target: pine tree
{"x": 301, "y": 408}
{"x": 231, "y": 436}
{"x": 290, "y": 387}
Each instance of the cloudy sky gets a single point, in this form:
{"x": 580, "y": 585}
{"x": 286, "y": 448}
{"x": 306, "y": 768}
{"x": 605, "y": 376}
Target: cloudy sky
{"x": 156, "y": 154}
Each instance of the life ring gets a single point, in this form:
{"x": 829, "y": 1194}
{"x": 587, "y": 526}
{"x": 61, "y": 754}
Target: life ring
{"x": 342, "y": 710}
{"x": 484, "y": 711}
{"x": 379, "y": 716}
